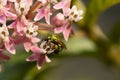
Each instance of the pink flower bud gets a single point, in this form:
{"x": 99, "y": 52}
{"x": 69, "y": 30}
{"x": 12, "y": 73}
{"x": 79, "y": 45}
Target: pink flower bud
{"x": 58, "y": 20}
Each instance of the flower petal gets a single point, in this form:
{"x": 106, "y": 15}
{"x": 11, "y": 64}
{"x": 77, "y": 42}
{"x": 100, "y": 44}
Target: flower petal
{"x": 27, "y": 46}
{"x": 10, "y": 47}
{"x": 58, "y": 30}
{"x": 35, "y": 39}
{"x": 64, "y": 5}
{"x": 43, "y": 1}
{"x": 12, "y": 25}
{"x": 29, "y": 2}
{"x": 40, "y": 61}
{"x": 47, "y": 15}
{"x": 36, "y": 49}
{"x": 12, "y": 0}
{"x": 60, "y": 5}
{"x": 47, "y": 59}
{"x": 20, "y": 27}
{"x": 33, "y": 57}
{"x": 4, "y": 2}
{"x": 67, "y": 32}
{"x": 2, "y": 19}
{"x": 25, "y": 21}
{"x": 40, "y": 14}
{"x": 10, "y": 15}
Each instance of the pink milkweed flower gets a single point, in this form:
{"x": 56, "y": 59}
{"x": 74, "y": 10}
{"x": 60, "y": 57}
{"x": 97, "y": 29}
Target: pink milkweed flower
{"x": 19, "y": 25}
{"x": 65, "y": 26}
{"x": 30, "y": 32}
{"x": 23, "y": 7}
{"x": 28, "y": 37}
{"x": 4, "y": 35}
{"x": 58, "y": 20}
{"x": 27, "y": 42}
{"x": 38, "y": 55}
{"x": 64, "y": 5}
{"x": 43, "y": 12}
{"x": 74, "y": 14}
{"x": 62, "y": 25}
{"x": 4, "y": 12}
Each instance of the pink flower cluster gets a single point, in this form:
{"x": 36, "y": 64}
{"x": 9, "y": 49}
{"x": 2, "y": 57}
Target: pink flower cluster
{"x": 21, "y": 21}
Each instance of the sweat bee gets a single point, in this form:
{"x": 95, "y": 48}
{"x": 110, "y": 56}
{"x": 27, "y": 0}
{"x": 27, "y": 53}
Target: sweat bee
{"x": 52, "y": 44}
{"x": 59, "y": 45}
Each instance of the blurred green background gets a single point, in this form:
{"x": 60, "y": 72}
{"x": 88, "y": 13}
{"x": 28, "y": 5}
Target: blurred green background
{"x": 93, "y": 53}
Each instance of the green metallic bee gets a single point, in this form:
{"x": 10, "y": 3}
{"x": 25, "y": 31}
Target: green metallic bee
{"x": 59, "y": 45}
{"x": 52, "y": 44}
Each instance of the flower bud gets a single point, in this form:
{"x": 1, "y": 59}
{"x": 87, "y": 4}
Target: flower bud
{"x": 58, "y": 20}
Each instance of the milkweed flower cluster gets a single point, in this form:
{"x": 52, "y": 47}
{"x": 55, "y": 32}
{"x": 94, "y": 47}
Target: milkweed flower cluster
{"x": 21, "y": 23}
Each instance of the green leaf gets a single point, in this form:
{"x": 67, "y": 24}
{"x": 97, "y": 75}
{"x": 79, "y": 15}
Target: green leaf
{"x": 114, "y": 35}
{"x": 95, "y": 7}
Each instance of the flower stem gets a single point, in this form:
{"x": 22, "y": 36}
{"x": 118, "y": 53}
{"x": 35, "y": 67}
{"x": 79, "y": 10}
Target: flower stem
{"x": 33, "y": 9}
